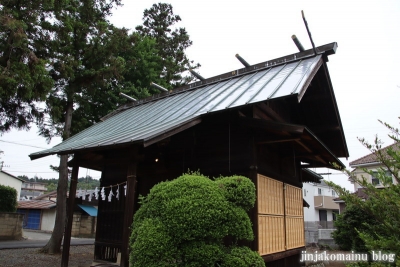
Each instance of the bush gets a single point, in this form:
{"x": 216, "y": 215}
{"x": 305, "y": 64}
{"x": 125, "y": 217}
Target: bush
{"x": 8, "y": 199}
{"x": 184, "y": 222}
{"x": 348, "y": 224}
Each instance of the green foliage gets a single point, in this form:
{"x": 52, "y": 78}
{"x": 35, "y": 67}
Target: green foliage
{"x": 348, "y": 225}
{"x": 242, "y": 257}
{"x": 159, "y": 23}
{"x": 184, "y": 222}
{"x": 24, "y": 80}
{"x": 238, "y": 191}
{"x": 8, "y": 199}
{"x": 51, "y": 184}
{"x": 382, "y": 205}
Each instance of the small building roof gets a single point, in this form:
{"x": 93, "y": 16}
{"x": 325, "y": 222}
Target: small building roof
{"x": 311, "y": 176}
{"x": 372, "y": 158}
{"x": 36, "y": 204}
{"x": 90, "y": 210}
{"x": 52, "y": 194}
{"x": 22, "y": 180}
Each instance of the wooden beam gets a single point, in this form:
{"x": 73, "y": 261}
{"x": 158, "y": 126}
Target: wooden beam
{"x": 271, "y": 125}
{"x": 258, "y": 113}
{"x": 270, "y": 112}
{"x": 70, "y": 214}
{"x": 322, "y": 129}
{"x": 304, "y": 146}
{"x": 283, "y": 140}
{"x": 281, "y": 255}
{"x": 154, "y": 139}
{"x": 131, "y": 182}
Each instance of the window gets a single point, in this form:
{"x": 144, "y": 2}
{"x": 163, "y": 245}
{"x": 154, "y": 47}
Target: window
{"x": 305, "y": 192}
{"x": 319, "y": 191}
{"x": 389, "y": 174}
{"x": 334, "y": 214}
{"x": 333, "y": 193}
{"x": 323, "y": 216}
{"x": 374, "y": 178}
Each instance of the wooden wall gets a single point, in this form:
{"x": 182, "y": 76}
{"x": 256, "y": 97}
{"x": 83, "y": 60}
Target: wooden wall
{"x": 215, "y": 147}
{"x": 280, "y": 216}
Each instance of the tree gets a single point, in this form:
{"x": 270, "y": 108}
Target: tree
{"x": 81, "y": 54}
{"x": 159, "y": 22}
{"x": 347, "y": 226}
{"x": 140, "y": 67}
{"x": 24, "y": 80}
{"x": 382, "y": 205}
{"x": 184, "y": 222}
{"x": 69, "y": 55}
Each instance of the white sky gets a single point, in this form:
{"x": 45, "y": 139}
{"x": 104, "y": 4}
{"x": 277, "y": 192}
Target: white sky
{"x": 364, "y": 72}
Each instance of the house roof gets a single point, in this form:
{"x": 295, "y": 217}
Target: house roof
{"x": 311, "y": 176}
{"x": 36, "y": 204}
{"x": 372, "y": 158}
{"x": 52, "y": 194}
{"x": 162, "y": 115}
{"x": 90, "y": 210}
{"x": 22, "y": 180}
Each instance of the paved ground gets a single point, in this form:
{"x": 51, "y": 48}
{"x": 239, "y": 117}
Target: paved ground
{"x": 37, "y": 239}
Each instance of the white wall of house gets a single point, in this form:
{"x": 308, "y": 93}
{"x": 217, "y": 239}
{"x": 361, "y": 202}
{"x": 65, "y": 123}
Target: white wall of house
{"x": 359, "y": 173}
{"x": 314, "y": 189}
{"x": 8, "y": 180}
{"x": 308, "y": 195}
{"x": 48, "y": 219}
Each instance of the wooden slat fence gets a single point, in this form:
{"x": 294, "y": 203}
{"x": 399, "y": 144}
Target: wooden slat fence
{"x": 280, "y": 216}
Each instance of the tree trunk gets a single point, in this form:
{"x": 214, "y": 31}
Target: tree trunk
{"x": 54, "y": 244}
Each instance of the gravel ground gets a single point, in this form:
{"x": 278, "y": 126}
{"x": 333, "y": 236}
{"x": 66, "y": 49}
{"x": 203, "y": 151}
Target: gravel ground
{"x": 80, "y": 256}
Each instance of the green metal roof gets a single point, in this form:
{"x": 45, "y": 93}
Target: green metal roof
{"x": 182, "y": 108}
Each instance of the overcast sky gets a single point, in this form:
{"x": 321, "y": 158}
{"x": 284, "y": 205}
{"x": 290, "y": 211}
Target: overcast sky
{"x": 364, "y": 71}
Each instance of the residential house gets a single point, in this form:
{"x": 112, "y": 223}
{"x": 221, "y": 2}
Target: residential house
{"x": 267, "y": 121}
{"x": 40, "y": 214}
{"x": 12, "y": 181}
{"x": 319, "y": 217}
{"x": 369, "y": 163}
{"x": 366, "y": 163}
{"x": 31, "y": 190}
{"x": 322, "y": 207}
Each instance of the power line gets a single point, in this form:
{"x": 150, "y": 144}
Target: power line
{"x": 30, "y": 172}
{"x": 15, "y": 143}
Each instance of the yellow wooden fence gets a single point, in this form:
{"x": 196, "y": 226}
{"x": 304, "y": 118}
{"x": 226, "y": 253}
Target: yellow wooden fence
{"x": 280, "y": 216}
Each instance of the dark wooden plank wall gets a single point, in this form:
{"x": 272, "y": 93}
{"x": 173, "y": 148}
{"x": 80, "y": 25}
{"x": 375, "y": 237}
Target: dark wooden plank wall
{"x": 215, "y": 147}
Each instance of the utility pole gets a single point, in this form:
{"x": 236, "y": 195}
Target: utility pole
{"x": 1, "y": 162}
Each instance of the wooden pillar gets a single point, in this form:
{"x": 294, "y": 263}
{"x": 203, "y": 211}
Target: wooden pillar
{"x": 70, "y": 213}
{"x": 131, "y": 182}
{"x": 254, "y": 178}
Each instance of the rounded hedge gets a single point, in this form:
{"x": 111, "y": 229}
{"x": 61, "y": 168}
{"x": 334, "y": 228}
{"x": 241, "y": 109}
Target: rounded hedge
{"x": 184, "y": 222}
{"x": 8, "y": 199}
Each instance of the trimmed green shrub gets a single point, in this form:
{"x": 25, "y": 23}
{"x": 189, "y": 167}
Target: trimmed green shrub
{"x": 243, "y": 257}
{"x": 184, "y": 222}
{"x": 8, "y": 199}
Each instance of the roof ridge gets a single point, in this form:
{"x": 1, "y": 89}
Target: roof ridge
{"x": 327, "y": 49}
{"x": 373, "y": 154}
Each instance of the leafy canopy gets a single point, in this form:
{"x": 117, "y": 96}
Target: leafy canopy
{"x": 381, "y": 231}
{"x": 159, "y": 22}
{"x": 24, "y": 79}
{"x": 184, "y": 222}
